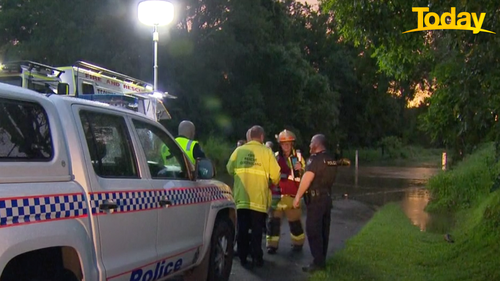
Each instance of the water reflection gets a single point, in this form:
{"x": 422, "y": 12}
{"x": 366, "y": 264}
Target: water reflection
{"x": 413, "y": 204}
{"x": 380, "y": 185}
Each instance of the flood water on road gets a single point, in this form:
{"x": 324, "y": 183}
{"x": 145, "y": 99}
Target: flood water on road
{"x": 379, "y": 185}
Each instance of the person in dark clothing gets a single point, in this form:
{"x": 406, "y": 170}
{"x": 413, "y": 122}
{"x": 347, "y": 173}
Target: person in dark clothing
{"x": 315, "y": 186}
{"x": 240, "y": 143}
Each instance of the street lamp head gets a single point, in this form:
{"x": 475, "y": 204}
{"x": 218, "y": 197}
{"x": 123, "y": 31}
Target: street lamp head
{"x": 155, "y": 12}
{"x": 157, "y": 95}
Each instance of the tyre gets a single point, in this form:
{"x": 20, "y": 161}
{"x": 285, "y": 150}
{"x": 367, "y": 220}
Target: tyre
{"x": 61, "y": 275}
{"x": 65, "y": 275}
{"x": 221, "y": 250}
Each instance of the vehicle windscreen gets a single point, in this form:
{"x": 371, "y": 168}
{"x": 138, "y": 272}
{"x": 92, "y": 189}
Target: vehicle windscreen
{"x": 12, "y": 80}
{"x": 41, "y": 87}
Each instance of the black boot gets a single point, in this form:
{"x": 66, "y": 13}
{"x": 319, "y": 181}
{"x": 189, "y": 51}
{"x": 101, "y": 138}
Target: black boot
{"x": 313, "y": 268}
{"x": 271, "y": 250}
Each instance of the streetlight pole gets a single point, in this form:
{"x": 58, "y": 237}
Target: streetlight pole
{"x": 155, "y": 13}
{"x": 156, "y": 38}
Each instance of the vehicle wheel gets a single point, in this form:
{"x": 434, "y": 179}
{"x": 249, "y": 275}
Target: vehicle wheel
{"x": 65, "y": 275}
{"x": 61, "y": 275}
{"x": 221, "y": 251}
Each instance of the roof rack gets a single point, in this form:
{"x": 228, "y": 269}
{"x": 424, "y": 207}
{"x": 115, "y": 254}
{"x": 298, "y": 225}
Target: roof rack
{"x": 16, "y": 66}
{"x": 111, "y": 73}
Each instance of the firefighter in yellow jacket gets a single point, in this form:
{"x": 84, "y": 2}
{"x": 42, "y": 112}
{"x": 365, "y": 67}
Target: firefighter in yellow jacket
{"x": 292, "y": 167}
{"x": 253, "y": 166}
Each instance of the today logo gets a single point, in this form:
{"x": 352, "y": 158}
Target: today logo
{"x": 462, "y": 21}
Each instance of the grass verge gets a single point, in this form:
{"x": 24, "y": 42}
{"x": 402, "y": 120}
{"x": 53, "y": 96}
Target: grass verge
{"x": 466, "y": 184}
{"x": 389, "y": 247}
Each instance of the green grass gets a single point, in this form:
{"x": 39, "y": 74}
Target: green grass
{"x": 389, "y": 247}
{"x": 466, "y": 184}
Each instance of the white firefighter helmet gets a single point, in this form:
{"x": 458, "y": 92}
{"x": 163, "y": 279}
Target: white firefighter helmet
{"x": 286, "y": 136}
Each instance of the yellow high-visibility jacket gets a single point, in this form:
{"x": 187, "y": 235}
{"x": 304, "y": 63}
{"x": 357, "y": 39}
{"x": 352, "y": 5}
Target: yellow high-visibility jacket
{"x": 253, "y": 167}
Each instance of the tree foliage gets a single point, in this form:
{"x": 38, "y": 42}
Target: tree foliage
{"x": 232, "y": 64}
{"x": 463, "y": 66}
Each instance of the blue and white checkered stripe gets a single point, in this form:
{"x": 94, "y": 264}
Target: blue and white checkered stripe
{"x": 126, "y": 201}
{"x": 149, "y": 199}
{"x": 21, "y": 210}
{"x": 186, "y": 196}
{"x": 29, "y": 209}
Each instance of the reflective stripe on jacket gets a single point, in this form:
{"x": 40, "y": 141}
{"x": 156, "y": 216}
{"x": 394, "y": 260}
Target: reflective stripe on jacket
{"x": 253, "y": 167}
{"x": 187, "y": 145}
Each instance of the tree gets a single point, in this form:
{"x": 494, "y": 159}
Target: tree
{"x": 462, "y": 110}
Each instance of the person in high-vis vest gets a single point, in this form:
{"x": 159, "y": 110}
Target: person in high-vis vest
{"x": 253, "y": 167}
{"x": 165, "y": 154}
{"x": 292, "y": 167}
{"x": 187, "y": 142}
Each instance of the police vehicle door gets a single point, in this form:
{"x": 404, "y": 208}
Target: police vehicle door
{"x": 123, "y": 205}
{"x": 182, "y": 216}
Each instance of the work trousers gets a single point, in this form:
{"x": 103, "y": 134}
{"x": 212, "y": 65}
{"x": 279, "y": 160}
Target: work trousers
{"x": 293, "y": 215}
{"x": 318, "y": 227}
{"x": 250, "y": 243}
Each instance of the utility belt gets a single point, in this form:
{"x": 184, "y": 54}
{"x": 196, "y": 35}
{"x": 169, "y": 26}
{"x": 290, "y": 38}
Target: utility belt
{"x": 315, "y": 193}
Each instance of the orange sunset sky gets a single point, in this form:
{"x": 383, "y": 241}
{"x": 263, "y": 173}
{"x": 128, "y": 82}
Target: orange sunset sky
{"x": 311, "y": 2}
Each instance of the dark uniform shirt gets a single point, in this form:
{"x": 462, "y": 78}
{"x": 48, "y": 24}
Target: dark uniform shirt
{"x": 324, "y": 167}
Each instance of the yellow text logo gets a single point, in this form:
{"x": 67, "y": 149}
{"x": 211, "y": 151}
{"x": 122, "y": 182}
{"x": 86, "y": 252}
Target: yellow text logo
{"x": 462, "y": 21}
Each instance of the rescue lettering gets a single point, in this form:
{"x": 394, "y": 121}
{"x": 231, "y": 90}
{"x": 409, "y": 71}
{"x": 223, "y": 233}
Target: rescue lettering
{"x": 250, "y": 160}
{"x": 102, "y": 91}
{"x": 132, "y": 88}
{"x": 161, "y": 270}
{"x": 92, "y": 77}
{"x": 114, "y": 83}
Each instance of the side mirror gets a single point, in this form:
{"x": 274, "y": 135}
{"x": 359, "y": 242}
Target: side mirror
{"x": 63, "y": 89}
{"x": 204, "y": 169}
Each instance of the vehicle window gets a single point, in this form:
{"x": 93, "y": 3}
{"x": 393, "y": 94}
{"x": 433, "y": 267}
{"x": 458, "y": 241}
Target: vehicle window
{"x": 12, "y": 80}
{"x": 87, "y": 88}
{"x": 24, "y": 132}
{"x": 40, "y": 86}
{"x": 165, "y": 159}
{"x": 109, "y": 144}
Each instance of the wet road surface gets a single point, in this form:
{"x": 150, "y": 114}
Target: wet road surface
{"x": 357, "y": 194}
{"x": 348, "y": 217}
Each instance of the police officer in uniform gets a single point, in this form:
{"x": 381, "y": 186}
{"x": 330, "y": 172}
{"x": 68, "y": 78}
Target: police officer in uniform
{"x": 315, "y": 186}
{"x": 269, "y": 144}
{"x": 240, "y": 143}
